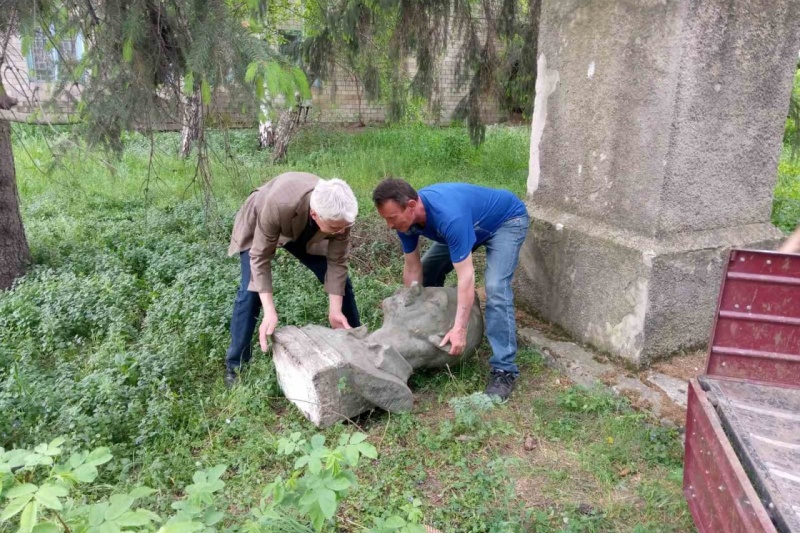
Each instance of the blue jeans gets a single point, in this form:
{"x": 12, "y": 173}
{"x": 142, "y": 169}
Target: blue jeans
{"x": 502, "y": 256}
{"x": 247, "y": 305}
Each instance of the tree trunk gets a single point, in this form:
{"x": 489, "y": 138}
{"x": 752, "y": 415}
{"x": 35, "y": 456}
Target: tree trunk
{"x": 288, "y": 126}
{"x": 14, "y": 253}
{"x": 266, "y": 133}
{"x": 192, "y": 116}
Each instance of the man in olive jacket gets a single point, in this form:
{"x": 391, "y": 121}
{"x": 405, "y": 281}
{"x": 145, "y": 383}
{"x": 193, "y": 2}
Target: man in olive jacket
{"x": 311, "y": 219}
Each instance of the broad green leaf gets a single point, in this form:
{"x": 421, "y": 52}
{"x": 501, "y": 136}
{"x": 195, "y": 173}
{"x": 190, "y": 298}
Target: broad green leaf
{"x": 205, "y": 92}
{"x": 188, "y": 84}
{"x": 99, "y": 456}
{"x": 54, "y": 448}
{"x": 97, "y": 513}
{"x": 108, "y": 527}
{"x": 358, "y": 437}
{"x": 46, "y": 527}
{"x": 85, "y": 473}
{"x": 41, "y": 449}
{"x": 127, "y": 50}
{"x": 216, "y": 472}
{"x": 15, "y": 506}
{"x": 308, "y": 499}
{"x": 327, "y": 502}
{"x": 48, "y": 498}
{"x": 118, "y": 504}
{"x": 317, "y": 441}
{"x": 368, "y": 450}
{"x": 182, "y": 527}
{"x": 132, "y": 519}
{"x": 278, "y": 492}
{"x": 351, "y": 454}
{"x": 150, "y": 514}
{"x": 28, "y": 517}
{"x": 301, "y": 462}
{"x": 141, "y": 492}
{"x": 212, "y": 518}
{"x": 338, "y": 483}
{"x": 199, "y": 477}
{"x": 318, "y": 520}
{"x": 58, "y": 491}
{"x": 16, "y": 458}
{"x": 21, "y": 490}
{"x": 35, "y": 459}
{"x": 77, "y": 459}
{"x": 394, "y": 522}
{"x": 314, "y": 465}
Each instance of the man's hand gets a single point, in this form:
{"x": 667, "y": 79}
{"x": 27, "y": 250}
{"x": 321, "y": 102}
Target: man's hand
{"x": 267, "y": 327}
{"x": 457, "y": 337}
{"x": 338, "y": 321}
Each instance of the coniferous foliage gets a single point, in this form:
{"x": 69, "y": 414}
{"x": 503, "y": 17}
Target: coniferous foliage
{"x": 140, "y": 56}
{"x": 372, "y": 40}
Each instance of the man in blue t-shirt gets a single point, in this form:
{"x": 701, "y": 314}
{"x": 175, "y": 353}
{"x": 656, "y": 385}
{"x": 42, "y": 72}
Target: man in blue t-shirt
{"x": 460, "y": 217}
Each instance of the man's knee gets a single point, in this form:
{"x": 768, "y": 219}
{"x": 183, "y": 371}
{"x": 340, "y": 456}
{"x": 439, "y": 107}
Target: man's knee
{"x": 498, "y": 292}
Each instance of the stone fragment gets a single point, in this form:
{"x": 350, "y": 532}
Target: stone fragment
{"x": 333, "y": 375}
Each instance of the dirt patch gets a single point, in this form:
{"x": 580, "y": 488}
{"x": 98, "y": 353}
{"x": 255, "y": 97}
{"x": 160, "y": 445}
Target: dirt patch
{"x": 685, "y": 367}
{"x": 551, "y": 475}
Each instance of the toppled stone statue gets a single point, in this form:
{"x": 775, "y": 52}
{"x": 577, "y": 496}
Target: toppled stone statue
{"x": 333, "y": 375}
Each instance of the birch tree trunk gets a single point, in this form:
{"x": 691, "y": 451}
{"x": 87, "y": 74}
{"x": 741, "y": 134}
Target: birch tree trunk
{"x": 192, "y": 117}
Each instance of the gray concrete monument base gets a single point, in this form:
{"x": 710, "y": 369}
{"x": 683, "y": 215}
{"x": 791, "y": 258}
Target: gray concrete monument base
{"x": 656, "y": 133}
{"x": 633, "y": 297}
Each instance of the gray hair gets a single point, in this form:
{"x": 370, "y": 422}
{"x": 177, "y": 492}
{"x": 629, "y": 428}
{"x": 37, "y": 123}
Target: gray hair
{"x": 333, "y": 200}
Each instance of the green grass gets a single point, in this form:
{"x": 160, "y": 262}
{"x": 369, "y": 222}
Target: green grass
{"x": 117, "y": 336}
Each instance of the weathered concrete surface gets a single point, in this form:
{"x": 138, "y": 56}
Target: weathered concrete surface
{"x": 676, "y": 389}
{"x": 583, "y": 368}
{"x": 657, "y": 152}
{"x": 333, "y": 375}
{"x": 415, "y": 320}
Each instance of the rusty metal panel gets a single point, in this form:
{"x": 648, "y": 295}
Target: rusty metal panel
{"x": 720, "y": 496}
{"x": 756, "y": 334}
{"x": 763, "y": 424}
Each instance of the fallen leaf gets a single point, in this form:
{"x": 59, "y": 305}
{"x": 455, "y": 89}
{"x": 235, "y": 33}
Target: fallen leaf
{"x": 530, "y": 443}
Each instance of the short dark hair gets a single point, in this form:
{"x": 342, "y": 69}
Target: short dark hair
{"x": 395, "y": 190}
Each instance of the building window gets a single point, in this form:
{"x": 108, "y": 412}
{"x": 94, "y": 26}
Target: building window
{"x": 43, "y": 60}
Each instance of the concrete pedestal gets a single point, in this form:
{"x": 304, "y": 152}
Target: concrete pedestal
{"x": 655, "y": 141}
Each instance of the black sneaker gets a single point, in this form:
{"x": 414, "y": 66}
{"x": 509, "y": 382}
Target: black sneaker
{"x": 231, "y": 378}
{"x": 501, "y": 383}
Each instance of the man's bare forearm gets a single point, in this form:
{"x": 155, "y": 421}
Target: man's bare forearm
{"x": 335, "y": 303}
{"x": 266, "y": 300}
{"x": 410, "y": 275}
{"x": 466, "y": 297}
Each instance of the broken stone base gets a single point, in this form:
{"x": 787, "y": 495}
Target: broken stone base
{"x": 586, "y": 369}
{"x": 333, "y": 375}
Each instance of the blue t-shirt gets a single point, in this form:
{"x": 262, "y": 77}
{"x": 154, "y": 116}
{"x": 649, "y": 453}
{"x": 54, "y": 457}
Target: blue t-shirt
{"x": 462, "y": 216}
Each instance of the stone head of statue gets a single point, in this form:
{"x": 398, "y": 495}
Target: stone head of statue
{"x": 416, "y": 319}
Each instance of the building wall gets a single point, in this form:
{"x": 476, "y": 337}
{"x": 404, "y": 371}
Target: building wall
{"x": 334, "y": 101}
